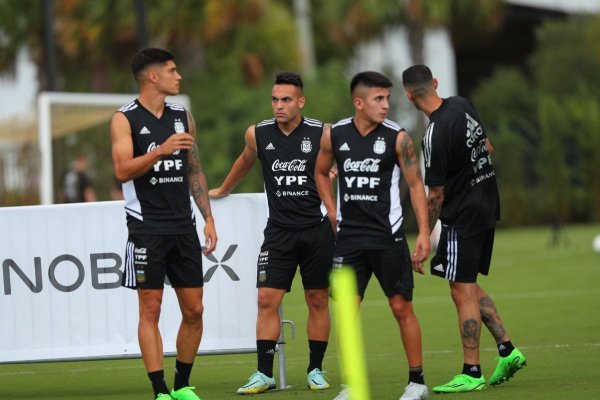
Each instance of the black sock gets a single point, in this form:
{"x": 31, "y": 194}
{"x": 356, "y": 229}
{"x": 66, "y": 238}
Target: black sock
{"x": 158, "y": 382}
{"x": 505, "y": 348}
{"x": 182, "y": 374}
{"x": 472, "y": 370}
{"x": 317, "y": 352}
{"x": 265, "y": 350}
{"x": 416, "y": 375}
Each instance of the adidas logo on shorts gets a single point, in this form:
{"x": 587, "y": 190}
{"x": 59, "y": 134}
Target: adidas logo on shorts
{"x": 439, "y": 268}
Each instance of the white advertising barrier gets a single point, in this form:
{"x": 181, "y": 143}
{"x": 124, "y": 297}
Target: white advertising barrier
{"x": 60, "y": 282}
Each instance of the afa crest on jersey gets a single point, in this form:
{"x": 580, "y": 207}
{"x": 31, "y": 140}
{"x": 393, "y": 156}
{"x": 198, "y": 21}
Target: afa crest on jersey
{"x": 179, "y": 127}
{"x": 379, "y": 146}
{"x": 306, "y": 145}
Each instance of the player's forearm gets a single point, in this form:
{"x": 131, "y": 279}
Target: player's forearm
{"x": 419, "y": 203}
{"x": 197, "y": 182}
{"x": 325, "y": 189}
{"x": 238, "y": 172}
{"x": 133, "y": 168}
{"x": 435, "y": 199}
{"x": 199, "y": 192}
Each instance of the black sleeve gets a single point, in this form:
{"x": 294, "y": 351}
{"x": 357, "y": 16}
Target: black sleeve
{"x": 435, "y": 151}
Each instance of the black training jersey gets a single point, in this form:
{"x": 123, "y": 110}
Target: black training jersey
{"x": 369, "y": 206}
{"x": 457, "y": 158}
{"x": 288, "y": 165}
{"x": 158, "y": 201}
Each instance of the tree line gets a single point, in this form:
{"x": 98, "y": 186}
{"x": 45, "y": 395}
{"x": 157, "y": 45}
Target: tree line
{"x": 544, "y": 120}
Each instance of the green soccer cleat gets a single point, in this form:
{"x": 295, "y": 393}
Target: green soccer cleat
{"x": 162, "y": 396}
{"x": 258, "y": 383}
{"x": 185, "y": 393}
{"x": 316, "y": 380}
{"x": 461, "y": 383}
{"x": 507, "y": 367}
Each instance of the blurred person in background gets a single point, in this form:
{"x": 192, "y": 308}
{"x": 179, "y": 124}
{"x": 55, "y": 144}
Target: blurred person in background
{"x": 116, "y": 190}
{"x": 76, "y": 186}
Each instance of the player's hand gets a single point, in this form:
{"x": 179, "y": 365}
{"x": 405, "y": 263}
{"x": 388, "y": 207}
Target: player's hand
{"x": 217, "y": 193}
{"x": 421, "y": 253}
{"x": 179, "y": 141}
{"x": 210, "y": 235}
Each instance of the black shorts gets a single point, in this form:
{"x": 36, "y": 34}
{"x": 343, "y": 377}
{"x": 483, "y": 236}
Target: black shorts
{"x": 149, "y": 258}
{"x": 461, "y": 259}
{"x": 392, "y": 266}
{"x": 283, "y": 250}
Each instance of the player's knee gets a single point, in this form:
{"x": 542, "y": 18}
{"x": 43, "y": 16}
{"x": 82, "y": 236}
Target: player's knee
{"x": 317, "y": 299}
{"x": 267, "y": 302}
{"x": 193, "y": 313}
{"x": 455, "y": 295}
{"x": 462, "y": 294}
{"x": 401, "y": 311}
{"x": 150, "y": 311}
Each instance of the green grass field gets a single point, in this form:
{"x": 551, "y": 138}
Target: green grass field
{"x": 549, "y": 299}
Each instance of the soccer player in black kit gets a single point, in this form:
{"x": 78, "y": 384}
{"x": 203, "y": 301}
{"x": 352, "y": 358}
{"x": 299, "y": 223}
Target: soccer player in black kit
{"x": 463, "y": 194}
{"x": 372, "y": 153}
{"x": 298, "y": 233}
{"x": 155, "y": 156}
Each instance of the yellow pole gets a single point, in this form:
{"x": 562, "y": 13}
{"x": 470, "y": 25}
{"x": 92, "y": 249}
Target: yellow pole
{"x": 352, "y": 357}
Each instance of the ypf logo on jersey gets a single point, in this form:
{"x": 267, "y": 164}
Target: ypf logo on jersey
{"x": 306, "y": 145}
{"x": 379, "y": 146}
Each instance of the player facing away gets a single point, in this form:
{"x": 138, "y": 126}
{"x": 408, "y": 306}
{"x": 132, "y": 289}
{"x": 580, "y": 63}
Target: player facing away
{"x": 372, "y": 153}
{"x": 463, "y": 194}
{"x": 298, "y": 233}
{"x": 155, "y": 156}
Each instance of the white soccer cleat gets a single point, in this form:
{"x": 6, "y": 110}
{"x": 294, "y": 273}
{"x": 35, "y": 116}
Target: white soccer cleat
{"x": 316, "y": 380}
{"x": 258, "y": 383}
{"x": 415, "y": 391}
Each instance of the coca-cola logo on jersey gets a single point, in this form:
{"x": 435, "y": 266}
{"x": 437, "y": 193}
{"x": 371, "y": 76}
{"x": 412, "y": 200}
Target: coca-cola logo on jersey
{"x": 366, "y": 165}
{"x": 294, "y": 165}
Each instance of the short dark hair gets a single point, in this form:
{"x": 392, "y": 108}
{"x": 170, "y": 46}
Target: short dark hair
{"x": 370, "y": 79}
{"x": 289, "y": 78}
{"x": 149, "y": 56}
{"x": 417, "y": 79}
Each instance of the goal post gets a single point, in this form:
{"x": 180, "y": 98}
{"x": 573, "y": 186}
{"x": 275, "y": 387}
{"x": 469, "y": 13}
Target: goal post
{"x": 98, "y": 107}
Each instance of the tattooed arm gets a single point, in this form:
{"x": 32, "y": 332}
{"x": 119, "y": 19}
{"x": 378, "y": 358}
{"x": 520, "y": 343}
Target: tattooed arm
{"x": 412, "y": 174}
{"x": 435, "y": 199}
{"x": 199, "y": 191}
